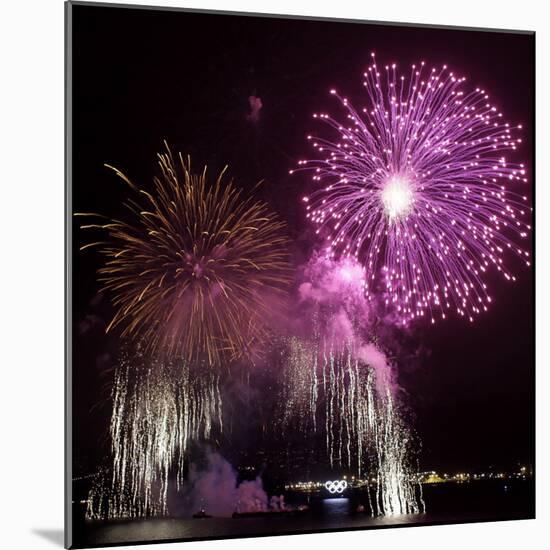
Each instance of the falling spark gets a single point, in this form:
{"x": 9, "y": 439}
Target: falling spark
{"x": 329, "y": 388}
{"x": 159, "y": 409}
{"x": 415, "y": 185}
{"x": 396, "y": 491}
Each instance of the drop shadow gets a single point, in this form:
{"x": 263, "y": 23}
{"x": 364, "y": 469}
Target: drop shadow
{"x": 56, "y": 536}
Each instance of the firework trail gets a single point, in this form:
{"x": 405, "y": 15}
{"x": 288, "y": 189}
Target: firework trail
{"x": 198, "y": 271}
{"x": 396, "y": 491}
{"x": 415, "y": 185}
{"x": 159, "y": 409}
{"x": 325, "y": 391}
{"x": 300, "y": 385}
{"x": 336, "y": 392}
{"x": 340, "y": 386}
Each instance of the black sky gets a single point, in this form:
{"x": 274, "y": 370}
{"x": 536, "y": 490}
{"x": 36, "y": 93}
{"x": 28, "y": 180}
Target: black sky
{"x": 142, "y": 76}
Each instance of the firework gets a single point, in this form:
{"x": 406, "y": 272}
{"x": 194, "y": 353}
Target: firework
{"x": 300, "y": 390}
{"x": 198, "y": 271}
{"x": 332, "y": 390}
{"x": 339, "y": 385}
{"x": 396, "y": 490}
{"x": 159, "y": 409}
{"x": 416, "y": 186}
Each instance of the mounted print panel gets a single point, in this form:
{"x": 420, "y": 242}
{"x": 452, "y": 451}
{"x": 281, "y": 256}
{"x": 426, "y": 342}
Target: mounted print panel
{"x": 300, "y": 275}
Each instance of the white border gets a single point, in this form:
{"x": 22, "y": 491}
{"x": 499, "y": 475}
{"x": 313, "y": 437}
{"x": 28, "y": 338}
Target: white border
{"x": 31, "y": 103}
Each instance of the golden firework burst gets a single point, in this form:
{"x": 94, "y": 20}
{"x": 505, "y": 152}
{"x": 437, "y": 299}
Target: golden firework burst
{"x": 198, "y": 270}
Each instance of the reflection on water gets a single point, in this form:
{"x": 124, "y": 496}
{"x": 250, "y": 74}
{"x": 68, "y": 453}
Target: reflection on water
{"x": 336, "y": 508}
{"x": 165, "y": 529}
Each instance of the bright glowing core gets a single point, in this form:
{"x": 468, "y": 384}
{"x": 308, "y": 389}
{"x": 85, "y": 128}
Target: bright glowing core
{"x": 351, "y": 273}
{"x": 397, "y": 197}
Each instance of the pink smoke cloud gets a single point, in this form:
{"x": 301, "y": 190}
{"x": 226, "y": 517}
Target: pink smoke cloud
{"x": 384, "y": 372}
{"x": 255, "y": 104}
{"x": 217, "y": 491}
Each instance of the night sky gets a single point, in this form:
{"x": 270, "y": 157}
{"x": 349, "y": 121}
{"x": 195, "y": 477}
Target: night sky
{"x": 144, "y": 76}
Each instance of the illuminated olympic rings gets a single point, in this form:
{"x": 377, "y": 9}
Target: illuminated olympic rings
{"x": 338, "y": 486}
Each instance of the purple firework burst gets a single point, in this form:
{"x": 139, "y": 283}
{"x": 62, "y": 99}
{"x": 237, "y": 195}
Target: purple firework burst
{"x": 415, "y": 186}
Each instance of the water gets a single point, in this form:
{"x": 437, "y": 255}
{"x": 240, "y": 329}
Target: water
{"x": 446, "y": 503}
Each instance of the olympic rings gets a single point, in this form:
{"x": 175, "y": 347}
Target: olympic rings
{"x": 337, "y": 486}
